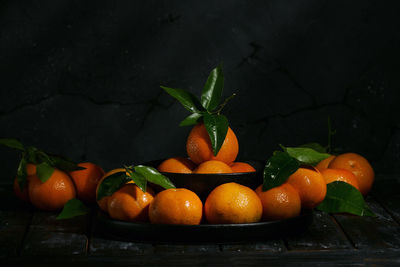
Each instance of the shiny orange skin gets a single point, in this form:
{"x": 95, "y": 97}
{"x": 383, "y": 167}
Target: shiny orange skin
{"x": 311, "y": 186}
{"x": 103, "y": 203}
{"x": 232, "y": 203}
{"x": 323, "y": 164}
{"x": 332, "y": 175}
{"x": 86, "y": 181}
{"x": 176, "y": 165}
{"x": 239, "y": 167}
{"x": 359, "y": 166}
{"x": 130, "y": 203}
{"x": 176, "y": 206}
{"x": 213, "y": 166}
{"x": 22, "y": 195}
{"x": 281, "y": 202}
{"x": 198, "y": 146}
{"x": 52, "y": 194}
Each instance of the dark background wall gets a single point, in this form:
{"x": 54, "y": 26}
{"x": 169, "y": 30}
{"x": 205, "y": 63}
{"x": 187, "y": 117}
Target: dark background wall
{"x": 82, "y": 79}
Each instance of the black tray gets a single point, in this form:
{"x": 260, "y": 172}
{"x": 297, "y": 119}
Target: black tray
{"x": 216, "y": 233}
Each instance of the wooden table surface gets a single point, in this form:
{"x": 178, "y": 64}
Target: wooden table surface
{"x": 32, "y": 237}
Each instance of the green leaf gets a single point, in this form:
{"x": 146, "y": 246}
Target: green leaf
{"x": 191, "y": 119}
{"x": 343, "y": 197}
{"x": 212, "y": 90}
{"x": 278, "y": 169}
{"x": 153, "y": 176}
{"x": 217, "y": 128}
{"x": 187, "y": 99}
{"x": 317, "y": 147}
{"x": 73, "y": 208}
{"x": 21, "y": 173}
{"x": 112, "y": 183}
{"x": 12, "y": 143}
{"x": 138, "y": 179}
{"x": 64, "y": 164}
{"x": 44, "y": 171}
{"x": 306, "y": 155}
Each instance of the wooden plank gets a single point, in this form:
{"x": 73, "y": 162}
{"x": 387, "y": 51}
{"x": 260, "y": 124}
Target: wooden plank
{"x": 186, "y": 248}
{"x": 13, "y": 226}
{"x": 371, "y": 233}
{"x": 46, "y": 221}
{"x": 273, "y": 246}
{"x": 15, "y": 217}
{"x": 102, "y": 245}
{"x": 323, "y": 234}
{"x": 61, "y": 237}
{"x": 387, "y": 193}
{"x": 54, "y": 243}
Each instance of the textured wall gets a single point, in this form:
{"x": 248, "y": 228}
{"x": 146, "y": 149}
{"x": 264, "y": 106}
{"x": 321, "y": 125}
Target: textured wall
{"x": 83, "y": 79}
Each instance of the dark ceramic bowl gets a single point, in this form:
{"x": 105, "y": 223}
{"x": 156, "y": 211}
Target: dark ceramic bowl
{"x": 203, "y": 184}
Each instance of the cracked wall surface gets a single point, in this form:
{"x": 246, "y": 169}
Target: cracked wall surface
{"x": 82, "y": 79}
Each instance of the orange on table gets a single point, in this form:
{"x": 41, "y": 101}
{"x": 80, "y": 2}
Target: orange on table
{"x": 323, "y": 164}
{"x": 359, "y": 166}
{"x": 233, "y": 203}
{"x": 310, "y": 185}
{"x": 52, "y": 194}
{"x": 213, "y": 166}
{"x": 241, "y": 167}
{"x": 199, "y": 149}
{"x": 332, "y": 175}
{"x": 130, "y": 203}
{"x": 103, "y": 202}
{"x": 176, "y": 165}
{"x": 86, "y": 181}
{"x": 176, "y": 206}
{"x": 281, "y": 202}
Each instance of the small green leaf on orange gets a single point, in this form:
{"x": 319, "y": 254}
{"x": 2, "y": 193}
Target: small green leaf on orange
{"x": 112, "y": 183}
{"x": 153, "y": 176}
{"x": 191, "y": 119}
{"x": 212, "y": 91}
{"x": 44, "y": 171}
{"x": 187, "y": 99}
{"x": 12, "y": 143}
{"x": 73, "y": 208}
{"x": 217, "y": 128}
{"x": 278, "y": 169}
{"x": 343, "y": 197}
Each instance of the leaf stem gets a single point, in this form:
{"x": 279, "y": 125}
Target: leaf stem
{"x": 224, "y": 103}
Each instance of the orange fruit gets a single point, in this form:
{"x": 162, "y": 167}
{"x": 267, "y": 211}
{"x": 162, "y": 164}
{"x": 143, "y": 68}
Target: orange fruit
{"x": 198, "y": 146}
{"x": 52, "y": 194}
{"x": 323, "y": 164}
{"x": 331, "y": 175}
{"x": 281, "y": 202}
{"x": 30, "y": 169}
{"x": 130, "y": 203}
{"x": 242, "y": 167}
{"x": 213, "y": 166}
{"x": 176, "y": 206}
{"x": 21, "y": 194}
{"x": 176, "y": 165}
{"x": 359, "y": 166}
{"x": 232, "y": 203}
{"x": 86, "y": 181}
{"x": 103, "y": 202}
{"x": 310, "y": 185}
